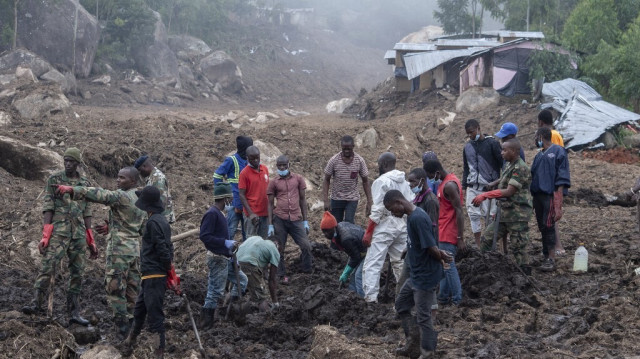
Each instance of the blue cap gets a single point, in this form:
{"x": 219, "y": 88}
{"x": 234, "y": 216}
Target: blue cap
{"x": 140, "y": 161}
{"x": 507, "y": 129}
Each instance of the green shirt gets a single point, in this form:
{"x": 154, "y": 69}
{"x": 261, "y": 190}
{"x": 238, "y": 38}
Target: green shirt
{"x": 125, "y": 219}
{"x": 158, "y": 180}
{"x": 68, "y": 215}
{"x": 259, "y": 252}
{"x": 517, "y": 208}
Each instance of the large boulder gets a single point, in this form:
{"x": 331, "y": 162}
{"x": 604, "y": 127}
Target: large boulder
{"x": 188, "y": 47}
{"x": 367, "y": 139}
{"x": 42, "y": 103}
{"x": 477, "y": 99}
{"x": 24, "y": 58}
{"x": 61, "y": 31}
{"x": 56, "y": 77}
{"x": 269, "y": 153}
{"x": 26, "y": 161}
{"x": 338, "y": 106}
{"x": 221, "y": 70}
{"x": 157, "y": 60}
{"x": 631, "y": 141}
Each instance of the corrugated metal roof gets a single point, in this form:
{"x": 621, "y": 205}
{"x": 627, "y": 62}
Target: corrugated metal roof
{"x": 565, "y": 88}
{"x": 521, "y": 34}
{"x": 419, "y": 63}
{"x": 405, "y": 46}
{"x": 390, "y": 54}
{"x": 468, "y": 42}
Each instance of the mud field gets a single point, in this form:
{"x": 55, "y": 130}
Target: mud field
{"x": 503, "y": 314}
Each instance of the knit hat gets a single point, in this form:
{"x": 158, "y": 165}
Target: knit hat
{"x": 328, "y": 221}
{"x": 222, "y": 190}
{"x": 74, "y": 153}
{"x": 140, "y": 161}
{"x": 242, "y": 143}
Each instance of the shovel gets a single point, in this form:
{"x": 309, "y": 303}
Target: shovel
{"x": 195, "y": 328}
{"x": 236, "y": 269}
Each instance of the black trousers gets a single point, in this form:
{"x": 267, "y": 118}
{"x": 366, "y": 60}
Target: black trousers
{"x": 546, "y": 225}
{"x": 149, "y": 305}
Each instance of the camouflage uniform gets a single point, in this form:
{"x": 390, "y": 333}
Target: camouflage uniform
{"x": 122, "y": 277}
{"x": 159, "y": 180}
{"x": 515, "y": 211}
{"x": 68, "y": 232}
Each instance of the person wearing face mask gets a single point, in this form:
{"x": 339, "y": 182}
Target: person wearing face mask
{"x": 230, "y": 169}
{"x": 482, "y": 163}
{"x": 433, "y": 184}
{"x": 549, "y": 183}
{"x": 252, "y": 188}
{"x": 215, "y": 237}
{"x": 288, "y": 216}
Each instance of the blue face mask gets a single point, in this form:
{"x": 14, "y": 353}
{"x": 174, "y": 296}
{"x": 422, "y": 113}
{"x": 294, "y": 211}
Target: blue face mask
{"x": 477, "y": 137}
{"x": 416, "y": 189}
{"x": 539, "y": 144}
{"x": 283, "y": 173}
{"x": 433, "y": 184}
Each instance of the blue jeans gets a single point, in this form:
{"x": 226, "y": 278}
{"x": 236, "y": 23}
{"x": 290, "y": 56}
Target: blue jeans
{"x": 355, "y": 283}
{"x": 344, "y": 210}
{"x": 450, "y": 287}
{"x": 410, "y": 297}
{"x": 283, "y": 228}
{"x": 221, "y": 269}
{"x": 232, "y": 221}
{"x": 261, "y": 229}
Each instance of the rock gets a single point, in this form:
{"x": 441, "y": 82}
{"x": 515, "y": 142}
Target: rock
{"x": 185, "y": 73}
{"x": 157, "y": 60}
{"x": 367, "y": 139}
{"x": 608, "y": 140}
{"x": 5, "y": 119}
{"x": 59, "y": 30}
{"x": 24, "y": 58}
{"x": 269, "y": 115}
{"x": 104, "y": 80}
{"x": 7, "y": 79}
{"x": 188, "y": 46}
{"x": 447, "y": 95}
{"x": 25, "y": 73}
{"x": 72, "y": 85}
{"x": 269, "y": 153}
{"x": 85, "y": 335}
{"x": 444, "y": 122}
{"x": 7, "y": 93}
{"x": 631, "y": 141}
{"x": 38, "y": 105}
{"x": 57, "y": 77}
{"x": 85, "y": 94}
{"x": 220, "y": 69}
{"x": 328, "y": 343}
{"x": 103, "y": 351}
{"x": 26, "y": 161}
{"x": 339, "y": 106}
{"x": 477, "y": 99}
{"x": 294, "y": 113}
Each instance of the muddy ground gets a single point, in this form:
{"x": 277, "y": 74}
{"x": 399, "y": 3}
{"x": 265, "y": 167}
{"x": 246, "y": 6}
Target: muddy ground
{"x": 503, "y": 314}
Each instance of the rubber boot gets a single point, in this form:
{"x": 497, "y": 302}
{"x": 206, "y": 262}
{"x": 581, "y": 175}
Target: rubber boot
{"x": 122, "y": 326}
{"x": 207, "y": 318}
{"x": 35, "y": 307}
{"x": 412, "y": 334}
{"x": 73, "y": 308}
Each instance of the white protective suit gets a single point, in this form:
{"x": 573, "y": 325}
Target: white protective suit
{"x": 389, "y": 235}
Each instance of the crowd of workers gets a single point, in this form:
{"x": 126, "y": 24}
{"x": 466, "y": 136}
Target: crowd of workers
{"x": 415, "y": 219}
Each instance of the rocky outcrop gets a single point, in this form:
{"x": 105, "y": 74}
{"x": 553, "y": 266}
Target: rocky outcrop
{"x": 222, "y": 71}
{"x": 42, "y": 103}
{"x": 157, "y": 60}
{"x": 338, "y": 106}
{"x": 188, "y": 47}
{"x": 24, "y": 58}
{"x": 61, "y": 31}
{"x": 26, "y": 161}
{"x": 367, "y": 139}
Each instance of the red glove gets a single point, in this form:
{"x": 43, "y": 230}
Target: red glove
{"x": 47, "y": 230}
{"x": 557, "y": 205}
{"x": 103, "y": 229}
{"x": 91, "y": 243}
{"x": 368, "y": 235}
{"x": 62, "y": 189}
{"x": 173, "y": 281}
{"x": 496, "y": 193}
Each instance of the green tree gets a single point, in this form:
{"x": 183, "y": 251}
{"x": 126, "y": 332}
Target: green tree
{"x": 590, "y": 22}
{"x": 551, "y": 65}
{"x": 627, "y": 11}
{"x": 455, "y": 17}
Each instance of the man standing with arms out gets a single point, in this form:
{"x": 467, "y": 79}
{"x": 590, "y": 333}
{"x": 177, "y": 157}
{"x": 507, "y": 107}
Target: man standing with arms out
{"x": 289, "y": 215}
{"x": 550, "y": 181}
{"x": 482, "y": 163}
{"x": 252, "y": 186}
{"x": 425, "y": 271}
{"x": 214, "y": 236}
{"x": 255, "y": 255}
{"x": 155, "y": 262}
{"x": 507, "y": 132}
{"x": 515, "y": 212}
{"x": 346, "y": 237}
{"x": 545, "y": 119}
{"x": 152, "y": 176}
{"x": 345, "y": 167}
{"x": 67, "y": 226}
{"x": 122, "y": 277}
{"x": 230, "y": 169}
{"x": 450, "y": 228}
{"x": 385, "y": 232}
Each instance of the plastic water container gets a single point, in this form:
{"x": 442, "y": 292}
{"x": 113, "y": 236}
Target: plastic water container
{"x": 581, "y": 259}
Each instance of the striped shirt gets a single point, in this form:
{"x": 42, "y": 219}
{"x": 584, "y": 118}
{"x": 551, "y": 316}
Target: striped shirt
{"x": 345, "y": 176}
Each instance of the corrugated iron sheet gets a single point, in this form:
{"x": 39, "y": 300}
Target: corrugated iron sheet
{"x": 520, "y": 34}
{"x": 405, "y": 46}
{"x": 419, "y": 63}
{"x": 390, "y": 54}
{"x": 564, "y": 89}
{"x": 468, "y": 42}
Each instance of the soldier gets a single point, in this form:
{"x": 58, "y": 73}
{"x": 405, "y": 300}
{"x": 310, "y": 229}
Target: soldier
{"x": 67, "y": 224}
{"x": 154, "y": 177}
{"x": 516, "y": 210}
{"x": 122, "y": 277}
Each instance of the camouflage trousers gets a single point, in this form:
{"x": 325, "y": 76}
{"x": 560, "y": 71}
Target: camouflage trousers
{"x": 58, "y": 247}
{"x": 122, "y": 282}
{"x": 518, "y": 239}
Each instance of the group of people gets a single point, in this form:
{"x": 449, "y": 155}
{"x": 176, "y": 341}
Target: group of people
{"x": 416, "y": 219}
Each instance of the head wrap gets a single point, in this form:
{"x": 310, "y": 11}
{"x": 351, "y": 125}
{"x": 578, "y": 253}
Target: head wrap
{"x": 74, "y": 153}
{"x": 328, "y": 221}
{"x": 429, "y": 155}
{"x": 140, "y": 161}
{"x": 242, "y": 143}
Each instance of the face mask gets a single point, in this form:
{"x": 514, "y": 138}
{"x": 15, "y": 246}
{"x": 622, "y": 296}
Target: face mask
{"x": 477, "y": 137}
{"x": 416, "y": 189}
{"x": 228, "y": 207}
{"x": 283, "y": 173}
{"x": 539, "y": 144}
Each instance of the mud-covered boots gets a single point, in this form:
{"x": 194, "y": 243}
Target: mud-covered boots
{"x": 412, "y": 334}
{"x": 208, "y": 317}
{"x": 35, "y": 306}
{"x": 122, "y": 326}
{"x": 427, "y": 354}
{"x": 159, "y": 353}
{"x": 130, "y": 342}
{"x": 73, "y": 308}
